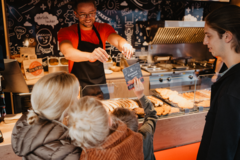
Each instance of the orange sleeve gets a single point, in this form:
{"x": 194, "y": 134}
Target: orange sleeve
{"x": 68, "y": 34}
{"x": 63, "y": 34}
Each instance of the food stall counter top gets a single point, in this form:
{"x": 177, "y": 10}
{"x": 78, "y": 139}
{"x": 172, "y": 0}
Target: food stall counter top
{"x": 118, "y": 75}
{"x": 114, "y": 75}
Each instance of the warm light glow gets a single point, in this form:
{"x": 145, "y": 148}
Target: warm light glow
{"x": 27, "y": 43}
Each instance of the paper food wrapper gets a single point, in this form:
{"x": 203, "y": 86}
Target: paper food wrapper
{"x": 33, "y": 68}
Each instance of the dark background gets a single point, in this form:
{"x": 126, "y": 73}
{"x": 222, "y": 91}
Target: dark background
{"x": 121, "y": 14}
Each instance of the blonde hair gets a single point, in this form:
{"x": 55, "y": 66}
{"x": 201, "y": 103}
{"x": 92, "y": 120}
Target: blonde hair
{"x": 88, "y": 123}
{"x": 52, "y": 95}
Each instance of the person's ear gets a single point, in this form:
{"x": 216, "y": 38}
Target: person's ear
{"x": 228, "y": 36}
{"x": 76, "y": 15}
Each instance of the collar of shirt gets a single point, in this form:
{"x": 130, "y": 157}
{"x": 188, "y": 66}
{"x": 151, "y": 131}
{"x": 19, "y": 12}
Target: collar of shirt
{"x": 228, "y": 69}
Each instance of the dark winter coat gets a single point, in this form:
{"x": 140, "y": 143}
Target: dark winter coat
{"x": 221, "y": 135}
{"x": 47, "y": 140}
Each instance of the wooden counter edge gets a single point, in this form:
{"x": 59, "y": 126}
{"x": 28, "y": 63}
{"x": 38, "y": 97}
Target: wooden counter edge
{"x": 119, "y": 75}
{"x": 114, "y": 75}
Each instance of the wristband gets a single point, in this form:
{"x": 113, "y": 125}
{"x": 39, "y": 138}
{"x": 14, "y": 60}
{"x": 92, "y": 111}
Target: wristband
{"x": 216, "y": 73}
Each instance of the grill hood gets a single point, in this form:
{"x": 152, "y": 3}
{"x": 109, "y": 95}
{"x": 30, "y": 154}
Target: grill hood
{"x": 172, "y": 32}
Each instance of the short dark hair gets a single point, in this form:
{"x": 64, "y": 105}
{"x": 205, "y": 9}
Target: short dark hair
{"x": 76, "y": 2}
{"x": 224, "y": 19}
{"x": 128, "y": 117}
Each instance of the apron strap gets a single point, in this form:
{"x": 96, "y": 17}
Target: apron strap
{"x": 98, "y": 35}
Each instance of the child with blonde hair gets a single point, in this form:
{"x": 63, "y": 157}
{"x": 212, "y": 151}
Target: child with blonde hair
{"x": 100, "y": 135}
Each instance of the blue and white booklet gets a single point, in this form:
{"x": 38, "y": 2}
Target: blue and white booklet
{"x": 130, "y": 73}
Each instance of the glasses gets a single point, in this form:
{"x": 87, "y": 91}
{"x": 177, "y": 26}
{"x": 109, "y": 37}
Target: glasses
{"x": 85, "y": 15}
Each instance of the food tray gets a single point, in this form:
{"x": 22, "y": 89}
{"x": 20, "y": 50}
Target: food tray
{"x": 165, "y": 103}
{"x": 111, "y": 104}
{"x": 196, "y": 100}
{"x": 185, "y": 110}
{"x": 140, "y": 116}
{"x": 203, "y": 100}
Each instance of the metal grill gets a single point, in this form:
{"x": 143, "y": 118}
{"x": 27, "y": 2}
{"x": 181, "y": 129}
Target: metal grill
{"x": 178, "y": 35}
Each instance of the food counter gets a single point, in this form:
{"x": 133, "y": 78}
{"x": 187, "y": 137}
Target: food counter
{"x": 116, "y": 78}
{"x": 181, "y": 110}
{"x": 22, "y": 101}
{"x": 112, "y": 76}
{"x": 119, "y": 75}
{"x": 179, "y": 130}
{"x": 173, "y": 129}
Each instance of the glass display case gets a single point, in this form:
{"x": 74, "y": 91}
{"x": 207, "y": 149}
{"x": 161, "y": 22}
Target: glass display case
{"x": 176, "y": 98}
{"x": 181, "y": 107}
{"x": 189, "y": 98}
{"x": 202, "y": 92}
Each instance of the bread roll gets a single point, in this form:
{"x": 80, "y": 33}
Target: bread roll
{"x": 159, "y": 110}
{"x": 127, "y": 103}
{"x": 157, "y": 102}
{"x": 205, "y": 103}
{"x": 166, "y": 109}
{"x": 139, "y": 111}
{"x": 204, "y": 93}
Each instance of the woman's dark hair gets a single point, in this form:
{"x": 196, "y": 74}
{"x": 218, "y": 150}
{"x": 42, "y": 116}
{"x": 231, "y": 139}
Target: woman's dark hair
{"x": 76, "y": 2}
{"x": 224, "y": 19}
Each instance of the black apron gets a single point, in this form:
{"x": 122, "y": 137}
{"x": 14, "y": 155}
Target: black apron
{"x": 89, "y": 73}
